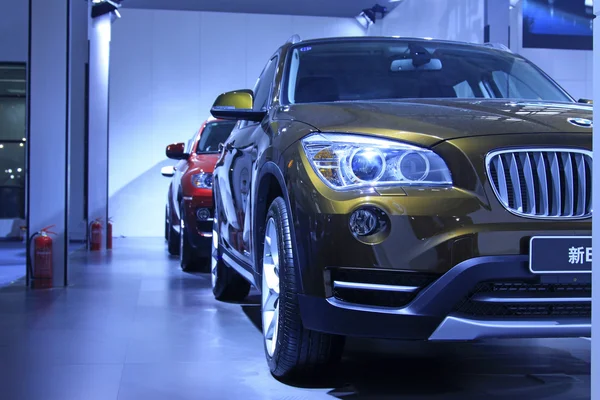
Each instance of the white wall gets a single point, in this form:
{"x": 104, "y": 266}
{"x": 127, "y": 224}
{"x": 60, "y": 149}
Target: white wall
{"x": 14, "y": 33}
{"x": 167, "y": 67}
{"x": 572, "y": 69}
{"x": 461, "y": 20}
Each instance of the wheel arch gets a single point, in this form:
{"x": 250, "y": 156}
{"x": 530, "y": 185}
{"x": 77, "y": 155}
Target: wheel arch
{"x": 270, "y": 184}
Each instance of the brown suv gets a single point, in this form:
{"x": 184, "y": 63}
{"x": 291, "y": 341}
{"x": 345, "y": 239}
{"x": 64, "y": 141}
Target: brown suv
{"x": 403, "y": 188}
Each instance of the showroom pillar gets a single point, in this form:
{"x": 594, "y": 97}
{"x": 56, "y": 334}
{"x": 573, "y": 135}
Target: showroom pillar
{"x": 595, "y": 377}
{"x": 48, "y": 125}
{"x": 497, "y": 21}
{"x": 80, "y": 11}
{"x": 99, "y": 36}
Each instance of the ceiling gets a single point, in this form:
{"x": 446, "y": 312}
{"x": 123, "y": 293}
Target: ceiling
{"x": 322, "y": 8}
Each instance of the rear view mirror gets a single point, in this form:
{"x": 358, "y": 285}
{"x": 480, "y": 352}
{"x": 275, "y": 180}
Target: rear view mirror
{"x": 176, "y": 151}
{"x": 168, "y": 171}
{"x": 237, "y": 105}
{"x": 586, "y": 101}
{"x": 408, "y": 64}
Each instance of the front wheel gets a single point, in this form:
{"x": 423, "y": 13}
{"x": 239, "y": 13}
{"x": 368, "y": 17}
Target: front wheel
{"x": 167, "y": 227}
{"x": 291, "y": 350}
{"x": 172, "y": 238}
{"x": 188, "y": 258}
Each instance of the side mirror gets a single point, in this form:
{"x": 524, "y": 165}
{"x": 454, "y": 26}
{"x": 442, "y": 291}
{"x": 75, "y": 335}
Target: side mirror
{"x": 176, "y": 151}
{"x": 168, "y": 171}
{"x": 237, "y": 105}
{"x": 586, "y": 101}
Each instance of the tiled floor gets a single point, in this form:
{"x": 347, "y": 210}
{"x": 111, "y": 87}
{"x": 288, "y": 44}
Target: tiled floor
{"x": 133, "y": 326}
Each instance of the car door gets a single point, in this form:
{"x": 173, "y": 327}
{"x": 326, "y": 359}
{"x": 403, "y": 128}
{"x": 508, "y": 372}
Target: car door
{"x": 242, "y": 153}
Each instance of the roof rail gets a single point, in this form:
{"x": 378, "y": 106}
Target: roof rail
{"x": 497, "y": 46}
{"x": 294, "y": 39}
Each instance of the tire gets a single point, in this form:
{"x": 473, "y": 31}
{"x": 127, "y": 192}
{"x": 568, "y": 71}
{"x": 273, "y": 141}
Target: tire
{"x": 227, "y": 284}
{"x": 293, "y": 351}
{"x": 188, "y": 258}
{"x": 172, "y": 239}
{"x": 167, "y": 227}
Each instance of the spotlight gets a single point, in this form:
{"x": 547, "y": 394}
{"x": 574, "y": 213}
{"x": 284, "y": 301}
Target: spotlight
{"x": 368, "y": 16}
{"x": 101, "y": 7}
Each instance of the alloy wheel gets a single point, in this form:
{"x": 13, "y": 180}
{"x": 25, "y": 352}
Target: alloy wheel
{"x": 270, "y": 287}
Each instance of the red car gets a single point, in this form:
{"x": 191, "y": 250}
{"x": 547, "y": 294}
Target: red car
{"x": 189, "y": 209}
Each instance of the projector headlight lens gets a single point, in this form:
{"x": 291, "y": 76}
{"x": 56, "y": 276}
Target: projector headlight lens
{"x": 348, "y": 161}
{"x": 202, "y": 181}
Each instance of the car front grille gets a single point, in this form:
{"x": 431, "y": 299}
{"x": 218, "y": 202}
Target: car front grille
{"x": 543, "y": 183}
{"x": 527, "y": 300}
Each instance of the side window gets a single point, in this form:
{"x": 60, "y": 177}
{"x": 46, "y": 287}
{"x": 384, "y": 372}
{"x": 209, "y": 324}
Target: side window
{"x": 512, "y": 86}
{"x": 262, "y": 90}
{"x": 463, "y": 90}
{"x": 191, "y": 142}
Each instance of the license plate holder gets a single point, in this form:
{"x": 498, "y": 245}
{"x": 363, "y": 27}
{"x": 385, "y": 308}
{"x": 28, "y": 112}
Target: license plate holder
{"x": 560, "y": 255}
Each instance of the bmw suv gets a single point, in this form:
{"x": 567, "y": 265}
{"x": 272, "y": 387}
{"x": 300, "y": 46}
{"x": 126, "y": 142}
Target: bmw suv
{"x": 403, "y": 188}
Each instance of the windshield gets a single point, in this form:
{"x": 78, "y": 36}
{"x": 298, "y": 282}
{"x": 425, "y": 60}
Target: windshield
{"x": 399, "y": 69}
{"x": 214, "y": 134}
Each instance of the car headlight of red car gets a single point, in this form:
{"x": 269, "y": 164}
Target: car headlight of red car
{"x": 202, "y": 180}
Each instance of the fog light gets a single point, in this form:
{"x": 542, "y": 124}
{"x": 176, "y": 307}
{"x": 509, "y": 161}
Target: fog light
{"x": 364, "y": 222}
{"x": 203, "y": 214}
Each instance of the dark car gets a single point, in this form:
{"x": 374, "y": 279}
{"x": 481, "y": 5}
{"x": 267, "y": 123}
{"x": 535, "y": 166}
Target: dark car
{"x": 189, "y": 209}
{"x": 403, "y": 188}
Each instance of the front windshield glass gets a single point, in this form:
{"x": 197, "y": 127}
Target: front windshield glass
{"x": 214, "y": 134}
{"x": 399, "y": 69}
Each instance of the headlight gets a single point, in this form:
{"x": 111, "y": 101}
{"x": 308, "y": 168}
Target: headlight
{"x": 346, "y": 161}
{"x": 202, "y": 181}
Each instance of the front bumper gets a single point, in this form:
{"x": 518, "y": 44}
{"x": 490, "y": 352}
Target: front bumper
{"x": 438, "y": 311}
{"x": 199, "y": 232}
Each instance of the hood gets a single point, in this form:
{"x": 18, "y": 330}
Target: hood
{"x": 203, "y": 162}
{"x": 429, "y": 121}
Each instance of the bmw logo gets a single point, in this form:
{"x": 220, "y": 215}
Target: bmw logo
{"x": 582, "y": 122}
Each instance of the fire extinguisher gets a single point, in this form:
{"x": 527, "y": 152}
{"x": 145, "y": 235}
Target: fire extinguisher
{"x": 95, "y": 236}
{"x": 41, "y": 270}
{"x": 109, "y": 235}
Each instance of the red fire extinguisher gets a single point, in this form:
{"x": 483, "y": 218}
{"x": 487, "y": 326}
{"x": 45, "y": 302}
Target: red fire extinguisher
{"x": 109, "y": 235}
{"x": 96, "y": 235}
{"x": 41, "y": 273}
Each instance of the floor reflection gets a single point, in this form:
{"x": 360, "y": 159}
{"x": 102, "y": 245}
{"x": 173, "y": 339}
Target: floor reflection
{"x": 12, "y": 261}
